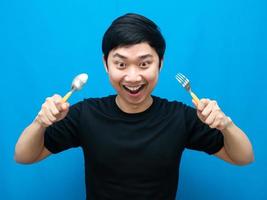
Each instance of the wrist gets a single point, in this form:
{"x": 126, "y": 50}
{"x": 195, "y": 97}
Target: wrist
{"x": 228, "y": 124}
{"x": 38, "y": 124}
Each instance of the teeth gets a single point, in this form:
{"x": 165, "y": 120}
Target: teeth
{"x": 133, "y": 88}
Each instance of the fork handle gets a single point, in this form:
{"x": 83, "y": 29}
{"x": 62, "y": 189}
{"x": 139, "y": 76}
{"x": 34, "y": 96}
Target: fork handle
{"x": 194, "y": 96}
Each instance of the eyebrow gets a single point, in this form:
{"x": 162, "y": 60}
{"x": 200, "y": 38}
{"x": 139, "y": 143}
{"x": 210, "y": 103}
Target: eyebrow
{"x": 145, "y": 56}
{"x": 139, "y": 57}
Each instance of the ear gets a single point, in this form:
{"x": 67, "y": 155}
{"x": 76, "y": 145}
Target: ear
{"x": 105, "y": 63}
{"x": 161, "y": 64}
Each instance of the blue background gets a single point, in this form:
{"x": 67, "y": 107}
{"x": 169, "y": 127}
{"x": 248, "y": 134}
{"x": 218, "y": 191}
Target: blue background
{"x": 220, "y": 45}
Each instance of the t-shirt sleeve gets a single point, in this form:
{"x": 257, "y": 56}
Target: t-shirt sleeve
{"x": 200, "y": 136}
{"x": 64, "y": 134}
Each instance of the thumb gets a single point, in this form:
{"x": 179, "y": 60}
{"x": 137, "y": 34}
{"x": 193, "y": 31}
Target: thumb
{"x": 65, "y": 106}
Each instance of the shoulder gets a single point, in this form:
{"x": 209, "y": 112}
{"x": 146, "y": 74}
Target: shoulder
{"x": 172, "y": 108}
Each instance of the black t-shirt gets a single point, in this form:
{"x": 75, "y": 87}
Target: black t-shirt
{"x": 132, "y": 156}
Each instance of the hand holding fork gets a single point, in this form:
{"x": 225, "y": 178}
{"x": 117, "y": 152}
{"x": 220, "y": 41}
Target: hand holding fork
{"x": 208, "y": 111}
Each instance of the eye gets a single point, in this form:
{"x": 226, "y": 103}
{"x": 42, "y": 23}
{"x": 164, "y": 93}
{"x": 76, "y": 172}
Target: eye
{"x": 144, "y": 65}
{"x": 120, "y": 65}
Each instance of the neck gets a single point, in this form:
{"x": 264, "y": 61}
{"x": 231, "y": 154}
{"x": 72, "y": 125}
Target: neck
{"x": 133, "y": 108}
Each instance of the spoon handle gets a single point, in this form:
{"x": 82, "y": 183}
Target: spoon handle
{"x": 65, "y": 98}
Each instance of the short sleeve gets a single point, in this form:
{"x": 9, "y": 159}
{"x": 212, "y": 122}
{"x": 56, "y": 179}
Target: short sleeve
{"x": 200, "y": 136}
{"x": 64, "y": 134}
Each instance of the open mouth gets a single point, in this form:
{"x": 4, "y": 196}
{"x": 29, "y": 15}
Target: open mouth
{"x": 134, "y": 89}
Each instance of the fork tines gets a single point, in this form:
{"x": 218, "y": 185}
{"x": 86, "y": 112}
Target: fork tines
{"x": 181, "y": 79}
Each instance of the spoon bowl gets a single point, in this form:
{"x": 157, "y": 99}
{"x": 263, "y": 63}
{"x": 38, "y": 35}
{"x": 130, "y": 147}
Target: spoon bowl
{"x": 77, "y": 84}
{"x": 79, "y": 81}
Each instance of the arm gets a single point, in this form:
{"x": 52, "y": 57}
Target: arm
{"x": 237, "y": 147}
{"x": 30, "y": 146}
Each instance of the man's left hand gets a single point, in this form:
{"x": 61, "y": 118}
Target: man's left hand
{"x": 210, "y": 113}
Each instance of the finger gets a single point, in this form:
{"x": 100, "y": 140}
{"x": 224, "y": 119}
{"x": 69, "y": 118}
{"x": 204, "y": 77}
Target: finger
{"x": 65, "y": 106}
{"x": 58, "y": 101}
{"x": 58, "y": 105}
{"x": 211, "y": 118}
{"x": 218, "y": 122}
{"x": 63, "y": 114}
{"x": 202, "y": 104}
{"x": 211, "y": 106}
{"x": 207, "y": 110}
{"x": 46, "y": 120}
{"x": 200, "y": 116}
{"x": 51, "y": 105}
{"x": 47, "y": 112}
{"x": 43, "y": 120}
{"x": 57, "y": 98}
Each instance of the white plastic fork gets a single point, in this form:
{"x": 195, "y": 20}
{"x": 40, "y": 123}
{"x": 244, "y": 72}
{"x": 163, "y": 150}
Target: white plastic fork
{"x": 186, "y": 84}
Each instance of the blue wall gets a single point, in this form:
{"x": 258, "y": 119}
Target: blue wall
{"x": 220, "y": 45}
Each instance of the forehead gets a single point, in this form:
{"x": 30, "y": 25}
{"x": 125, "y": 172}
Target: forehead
{"x": 134, "y": 51}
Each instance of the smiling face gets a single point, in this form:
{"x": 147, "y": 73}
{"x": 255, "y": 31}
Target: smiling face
{"x": 133, "y": 72}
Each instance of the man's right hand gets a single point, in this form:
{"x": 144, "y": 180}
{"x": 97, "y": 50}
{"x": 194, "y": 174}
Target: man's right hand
{"x": 52, "y": 110}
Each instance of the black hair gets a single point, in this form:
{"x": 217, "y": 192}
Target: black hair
{"x": 131, "y": 29}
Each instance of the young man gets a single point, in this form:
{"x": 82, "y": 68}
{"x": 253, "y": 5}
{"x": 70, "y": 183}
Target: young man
{"x": 132, "y": 141}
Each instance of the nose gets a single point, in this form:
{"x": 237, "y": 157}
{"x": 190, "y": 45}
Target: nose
{"x": 133, "y": 75}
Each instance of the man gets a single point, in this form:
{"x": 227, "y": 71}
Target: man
{"x": 132, "y": 141}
